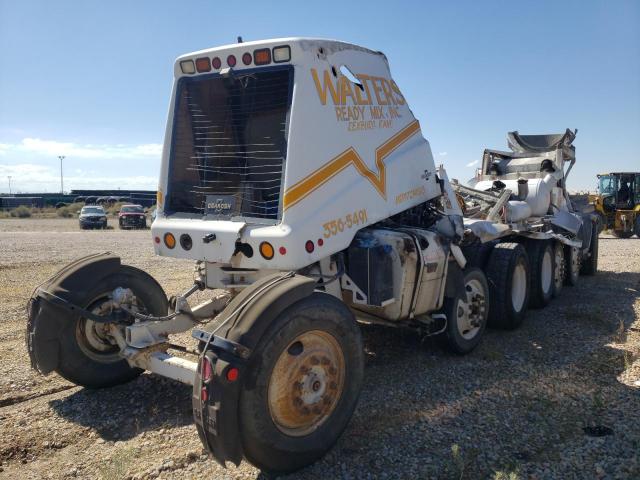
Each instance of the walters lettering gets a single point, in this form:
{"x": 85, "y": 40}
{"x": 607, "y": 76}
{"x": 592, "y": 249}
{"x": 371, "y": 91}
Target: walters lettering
{"x": 340, "y": 90}
{"x": 373, "y": 103}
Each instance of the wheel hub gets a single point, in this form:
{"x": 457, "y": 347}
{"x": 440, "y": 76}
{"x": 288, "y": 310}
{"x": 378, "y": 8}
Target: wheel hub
{"x": 471, "y": 310}
{"x": 306, "y": 383}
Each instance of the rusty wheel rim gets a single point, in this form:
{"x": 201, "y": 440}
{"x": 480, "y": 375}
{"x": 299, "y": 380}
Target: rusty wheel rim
{"x": 306, "y": 383}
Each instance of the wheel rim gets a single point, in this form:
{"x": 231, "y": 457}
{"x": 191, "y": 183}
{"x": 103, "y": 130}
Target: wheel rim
{"x": 93, "y": 338}
{"x": 518, "y": 286}
{"x": 470, "y": 310}
{"x": 546, "y": 272}
{"x": 306, "y": 383}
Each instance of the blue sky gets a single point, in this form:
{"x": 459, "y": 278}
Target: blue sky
{"x": 91, "y": 79}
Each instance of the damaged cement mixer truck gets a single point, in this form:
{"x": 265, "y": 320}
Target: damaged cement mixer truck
{"x": 297, "y": 179}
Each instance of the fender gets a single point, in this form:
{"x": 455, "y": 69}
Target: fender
{"x": 46, "y": 320}
{"x": 242, "y": 323}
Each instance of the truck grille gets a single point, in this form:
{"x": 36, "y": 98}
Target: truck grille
{"x": 229, "y": 144}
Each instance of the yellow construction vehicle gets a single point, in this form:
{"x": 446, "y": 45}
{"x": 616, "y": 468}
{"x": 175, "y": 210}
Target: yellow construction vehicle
{"x": 617, "y": 203}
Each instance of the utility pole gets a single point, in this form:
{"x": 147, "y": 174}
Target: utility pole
{"x": 9, "y": 177}
{"x": 61, "y": 157}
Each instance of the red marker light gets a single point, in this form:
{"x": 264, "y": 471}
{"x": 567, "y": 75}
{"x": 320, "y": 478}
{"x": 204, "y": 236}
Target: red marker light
{"x": 232, "y": 374}
{"x": 309, "y": 246}
{"x": 246, "y": 58}
{"x": 231, "y": 61}
{"x": 216, "y": 62}
{"x": 157, "y": 239}
{"x": 282, "y": 250}
{"x": 320, "y": 242}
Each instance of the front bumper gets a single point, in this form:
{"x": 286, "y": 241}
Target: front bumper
{"x": 96, "y": 222}
{"x": 133, "y": 221}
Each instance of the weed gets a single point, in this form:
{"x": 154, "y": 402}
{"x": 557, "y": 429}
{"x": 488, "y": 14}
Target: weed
{"x": 116, "y": 467}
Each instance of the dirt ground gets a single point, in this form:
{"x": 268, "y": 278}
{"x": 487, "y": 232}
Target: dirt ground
{"x": 524, "y": 404}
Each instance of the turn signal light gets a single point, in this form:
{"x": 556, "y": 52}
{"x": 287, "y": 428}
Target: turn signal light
{"x": 203, "y": 64}
{"x": 262, "y": 56}
{"x": 169, "y": 240}
{"x": 266, "y": 250}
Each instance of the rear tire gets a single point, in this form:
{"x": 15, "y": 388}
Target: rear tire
{"x": 87, "y": 357}
{"x": 589, "y": 265}
{"x": 542, "y": 268}
{"x": 286, "y": 424}
{"x": 508, "y": 277}
{"x": 572, "y": 259}
{"x": 467, "y": 313}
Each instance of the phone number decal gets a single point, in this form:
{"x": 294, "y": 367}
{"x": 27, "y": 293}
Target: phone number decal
{"x": 333, "y": 227}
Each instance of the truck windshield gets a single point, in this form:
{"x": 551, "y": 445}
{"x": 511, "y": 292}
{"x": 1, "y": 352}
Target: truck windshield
{"x": 229, "y": 144}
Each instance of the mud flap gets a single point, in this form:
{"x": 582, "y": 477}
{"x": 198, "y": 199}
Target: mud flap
{"x": 248, "y": 315}
{"x": 48, "y": 321}
{"x": 216, "y": 411}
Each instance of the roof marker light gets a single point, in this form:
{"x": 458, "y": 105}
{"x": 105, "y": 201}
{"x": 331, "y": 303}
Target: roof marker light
{"x": 187, "y": 67}
{"x": 282, "y": 250}
{"x": 216, "y": 62}
{"x": 246, "y": 58}
{"x": 262, "y": 56}
{"x": 281, "y": 54}
{"x": 231, "y": 61}
{"x": 309, "y": 246}
{"x": 203, "y": 64}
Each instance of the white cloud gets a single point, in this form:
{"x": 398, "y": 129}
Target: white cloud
{"x": 28, "y": 177}
{"x": 443, "y": 154}
{"x": 53, "y": 148}
{"x": 4, "y": 147}
{"x": 471, "y": 164}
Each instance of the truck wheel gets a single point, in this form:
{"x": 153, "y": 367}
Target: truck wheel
{"x": 508, "y": 277}
{"x": 560, "y": 265}
{"x": 467, "y": 313}
{"x": 305, "y": 379}
{"x": 542, "y": 272}
{"x": 88, "y": 355}
{"x": 572, "y": 259}
{"x": 589, "y": 265}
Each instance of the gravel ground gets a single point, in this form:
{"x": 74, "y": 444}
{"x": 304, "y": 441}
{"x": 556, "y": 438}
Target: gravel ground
{"x": 517, "y": 407}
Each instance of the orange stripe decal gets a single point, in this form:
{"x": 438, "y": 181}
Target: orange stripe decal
{"x": 350, "y": 157}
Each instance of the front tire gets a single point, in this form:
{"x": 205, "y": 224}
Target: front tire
{"x": 467, "y": 313}
{"x": 589, "y": 265}
{"x": 508, "y": 277}
{"x": 305, "y": 379}
{"x": 88, "y": 357}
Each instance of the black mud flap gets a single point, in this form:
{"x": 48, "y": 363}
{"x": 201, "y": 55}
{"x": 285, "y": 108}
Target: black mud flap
{"x": 215, "y": 407}
{"x": 248, "y": 316}
{"x": 48, "y": 321}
